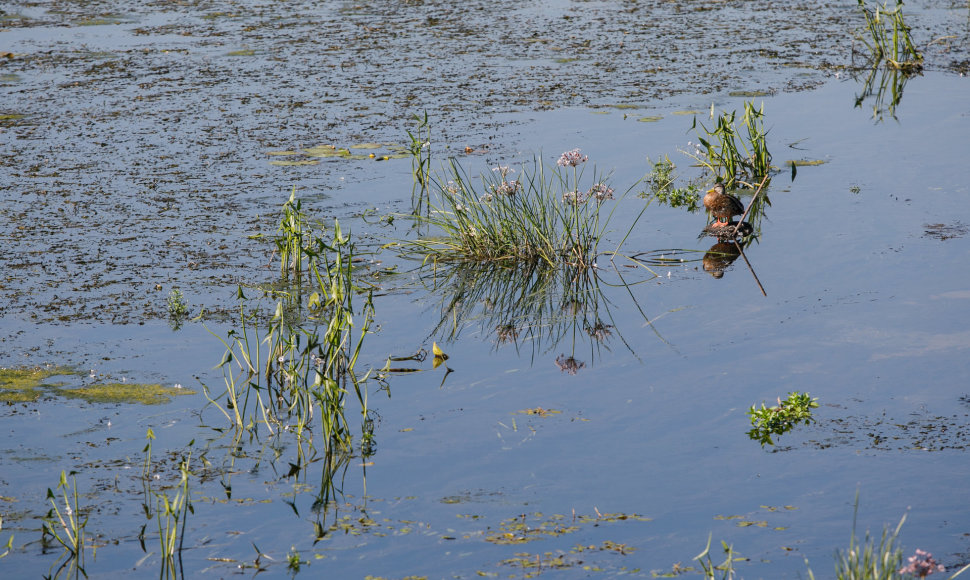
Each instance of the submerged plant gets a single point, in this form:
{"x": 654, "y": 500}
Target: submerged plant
{"x": 731, "y": 151}
{"x": 768, "y": 421}
{"x": 887, "y": 37}
{"x": 546, "y": 215}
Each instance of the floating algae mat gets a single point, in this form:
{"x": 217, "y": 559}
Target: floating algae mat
{"x": 29, "y": 384}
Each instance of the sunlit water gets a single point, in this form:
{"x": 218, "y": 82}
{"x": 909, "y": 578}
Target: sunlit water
{"x": 865, "y": 308}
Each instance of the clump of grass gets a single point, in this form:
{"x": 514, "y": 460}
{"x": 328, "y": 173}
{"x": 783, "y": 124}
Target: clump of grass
{"x": 546, "y": 215}
{"x": 732, "y": 151}
{"x": 768, "y": 421}
{"x": 661, "y": 186}
{"x": 64, "y": 521}
{"x": 887, "y": 37}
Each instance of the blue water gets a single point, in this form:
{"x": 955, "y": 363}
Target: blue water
{"x": 865, "y": 309}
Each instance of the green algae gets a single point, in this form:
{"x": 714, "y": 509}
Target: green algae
{"x": 26, "y": 384}
{"x": 133, "y": 393}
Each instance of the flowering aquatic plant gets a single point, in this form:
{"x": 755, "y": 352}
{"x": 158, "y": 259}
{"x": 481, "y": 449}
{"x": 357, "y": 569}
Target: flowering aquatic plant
{"x": 545, "y": 215}
{"x": 921, "y": 565}
{"x": 571, "y": 158}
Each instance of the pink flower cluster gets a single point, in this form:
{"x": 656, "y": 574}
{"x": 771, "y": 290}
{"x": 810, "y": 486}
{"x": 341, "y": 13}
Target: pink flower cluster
{"x": 571, "y": 158}
{"x": 922, "y": 565}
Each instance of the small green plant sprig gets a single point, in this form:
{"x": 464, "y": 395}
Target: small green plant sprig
{"x": 887, "y": 37}
{"x": 171, "y": 514}
{"x": 661, "y": 187}
{"x": 292, "y": 237}
{"x": 768, "y": 421}
{"x": 64, "y": 522}
{"x": 728, "y": 152}
{"x": 177, "y": 308}
{"x": 420, "y": 149}
{"x": 724, "y": 570}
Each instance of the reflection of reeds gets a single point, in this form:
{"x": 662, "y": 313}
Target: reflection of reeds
{"x": 530, "y": 304}
{"x": 887, "y": 92}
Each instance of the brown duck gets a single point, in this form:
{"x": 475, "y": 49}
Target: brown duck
{"x": 723, "y": 206}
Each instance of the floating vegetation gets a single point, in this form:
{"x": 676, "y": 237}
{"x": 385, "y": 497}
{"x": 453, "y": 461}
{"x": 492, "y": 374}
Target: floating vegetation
{"x": 778, "y": 420}
{"x": 661, "y": 187}
{"x": 732, "y": 151}
{"x": 130, "y": 393}
{"x": 887, "y": 37}
{"x": 23, "y": 385}
{"x": 313, "y": 155}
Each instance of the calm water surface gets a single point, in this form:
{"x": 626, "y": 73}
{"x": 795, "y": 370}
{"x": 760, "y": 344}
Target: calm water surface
{"x": 860, "y": 257}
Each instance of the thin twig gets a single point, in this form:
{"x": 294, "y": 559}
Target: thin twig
{"x": 751, "y": 204}
{"x": 738, "y": 246}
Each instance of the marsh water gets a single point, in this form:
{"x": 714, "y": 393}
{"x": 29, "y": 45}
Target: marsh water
{"x": 149, "y": 147}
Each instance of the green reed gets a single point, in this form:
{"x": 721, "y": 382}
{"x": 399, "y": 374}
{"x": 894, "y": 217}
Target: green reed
{"x": 295, "y": 360}
{"x": 724, "y": 570}
{"x": 546, "y": 215}
{"x": 292, "y": 237}
{"x": 171, "y": 514}
{"x": 734, "y": 151}
{"x": 64, "y": 521}
{"x": 420, "y": 149}
{"x": 887, "y": 37}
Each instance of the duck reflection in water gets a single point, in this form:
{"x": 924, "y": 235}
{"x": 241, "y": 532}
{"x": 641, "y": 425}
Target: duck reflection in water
{"x": 719, "y": 257}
